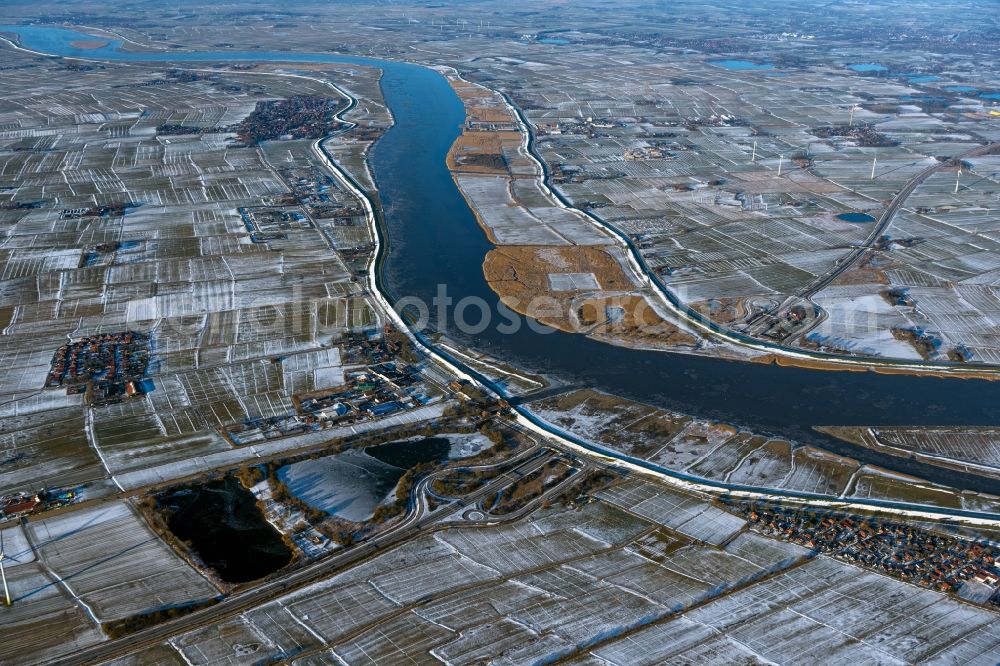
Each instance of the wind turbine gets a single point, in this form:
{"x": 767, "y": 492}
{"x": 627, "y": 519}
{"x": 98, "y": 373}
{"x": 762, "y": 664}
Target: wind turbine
{"x": 753, "y": 156}
{"x": 781, "y": 160}
{"x": 874, "y": 162}
{"x": 958, "y": 177}
{"x": 3, "y": 574}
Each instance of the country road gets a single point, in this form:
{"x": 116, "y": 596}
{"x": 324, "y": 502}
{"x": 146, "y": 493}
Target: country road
{"x": 419, "y": 518}
{"x": 885, "y": 219}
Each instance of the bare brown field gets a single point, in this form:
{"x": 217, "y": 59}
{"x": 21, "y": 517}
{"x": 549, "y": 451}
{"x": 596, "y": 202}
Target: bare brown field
{"x": 638, "y": 323}
{"x": 723, "y": 311}
{"x": 481, "y": 146}
{"x": 482, "y": 151}
{"x": 862, "y": 275}
{"x": 520, "y": 275}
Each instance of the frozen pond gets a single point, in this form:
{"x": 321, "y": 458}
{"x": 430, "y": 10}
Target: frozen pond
{"x": 868, "y": 67}
{"x": 741, "y": 65}
{"x": 351, "y": 485}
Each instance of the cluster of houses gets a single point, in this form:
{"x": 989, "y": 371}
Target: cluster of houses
{"x": 933, "y": 560}
{"x": 22, "y": 504}
{"x": 108, "y": 367}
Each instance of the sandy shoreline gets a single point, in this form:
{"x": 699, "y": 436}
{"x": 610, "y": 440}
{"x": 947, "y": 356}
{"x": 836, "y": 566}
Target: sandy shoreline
{"x": 89, "y": 44}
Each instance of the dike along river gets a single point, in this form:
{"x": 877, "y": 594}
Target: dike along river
{"x": 434, "y": 240}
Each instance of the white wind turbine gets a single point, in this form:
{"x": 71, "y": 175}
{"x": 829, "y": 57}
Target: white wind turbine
{"x": 3, "y": 574}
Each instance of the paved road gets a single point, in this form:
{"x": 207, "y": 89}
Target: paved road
{"x": 707, "y": 326}
{"x": 885, "y": 219}
{"x": 240, "y": 602}
{"x": 856, "y": 253}
{"x": 420, "y": 517}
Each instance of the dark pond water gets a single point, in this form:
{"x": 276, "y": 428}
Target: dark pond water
{"x": 226, "y": 528}
{"x": 412, "y": 452}
{"x": 856, "y": 217}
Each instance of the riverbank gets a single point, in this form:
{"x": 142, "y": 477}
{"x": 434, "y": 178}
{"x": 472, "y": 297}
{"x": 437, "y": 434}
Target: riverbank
{"x": 540, "y": 268}
{"x": 719, "y": 452}
{"x": 493, "y": 186}
{"x": 969, "y": 450}
{"x": 913, "y": 371}
{"x": 436, "y": 241}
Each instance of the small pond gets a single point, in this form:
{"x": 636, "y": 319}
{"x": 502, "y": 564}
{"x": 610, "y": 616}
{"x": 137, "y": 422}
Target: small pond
{"x": 856, "y": 217}
{"x": 741, "y": 65}
{"x": 351, "y": 485}
{"x": 868, "y": 67}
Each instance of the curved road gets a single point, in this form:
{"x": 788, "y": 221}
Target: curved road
{"x": 706, "y": 325}
{"x": 885, "y": 219}
{"x": 419, "y": 516}
{"x": 417, "y": 519}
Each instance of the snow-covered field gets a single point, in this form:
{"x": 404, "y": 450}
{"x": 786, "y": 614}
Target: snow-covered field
{"x": 113, "y": 564}
{"x": 87, "y": 566}
{"x": 349, "y": 485}
{"x": 545, "y": 585}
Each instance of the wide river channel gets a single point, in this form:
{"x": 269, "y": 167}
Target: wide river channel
{"x": 434, "y": 239}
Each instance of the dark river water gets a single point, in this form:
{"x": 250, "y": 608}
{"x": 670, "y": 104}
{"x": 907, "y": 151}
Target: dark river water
{"x": 433, "y": 239}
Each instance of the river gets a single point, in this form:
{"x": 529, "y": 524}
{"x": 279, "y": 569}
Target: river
{"x": 434, "y": 239}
